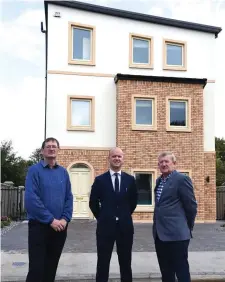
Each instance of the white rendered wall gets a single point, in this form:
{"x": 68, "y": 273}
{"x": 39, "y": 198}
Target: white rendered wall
{"x": 209, "y": 118}
{"x": 112, "y": 44}
{"x": 104, "y": 91}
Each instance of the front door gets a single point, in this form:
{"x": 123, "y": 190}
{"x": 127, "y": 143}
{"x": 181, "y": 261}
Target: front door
{"x": 81, "y": 182}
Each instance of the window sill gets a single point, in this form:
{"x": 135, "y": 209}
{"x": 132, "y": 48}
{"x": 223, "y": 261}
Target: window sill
{"x": 85, "y": 63}
{"x": 141, "y": 66}
{"x": 145, "y": 128}
{"x": 178, "y": 129}
{"x": 80, "y": 129}
{"x": 175, "y": 68}
{"x": 144, "y": 208}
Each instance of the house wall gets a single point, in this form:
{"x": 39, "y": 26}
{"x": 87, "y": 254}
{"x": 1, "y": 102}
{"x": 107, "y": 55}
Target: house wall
{"x": 142, "y": 148}
{"x": 112, "y": 44}
{"x": 103, "y": 89}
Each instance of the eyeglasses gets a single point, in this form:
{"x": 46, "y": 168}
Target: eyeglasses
{"x": 51, "y": 146}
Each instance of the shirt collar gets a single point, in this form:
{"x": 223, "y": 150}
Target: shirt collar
{"x": 44, "y": 164}
{"x": 168, "y": 176}
{"x": 112, "y": 172}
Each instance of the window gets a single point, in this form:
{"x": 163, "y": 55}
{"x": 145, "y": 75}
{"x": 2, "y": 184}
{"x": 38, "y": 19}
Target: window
{"x": 141, "y": 51}
{"x": 143, "y": 112}
{"x": 145, "y": 181}
{"x": 178, "y": 114}
{"x": 81, "y": 44}
{"x": 80, "y": 114}
{"x": 186, "y": 172}
{"x": 175, "y": 53}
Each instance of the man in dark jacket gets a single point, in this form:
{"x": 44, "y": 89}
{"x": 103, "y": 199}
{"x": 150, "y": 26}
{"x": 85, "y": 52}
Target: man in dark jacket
{"x": 113, "y": 199}
{"x": 174, "y": 217}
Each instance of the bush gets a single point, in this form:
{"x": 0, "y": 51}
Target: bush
{"x": 5, "y": 221}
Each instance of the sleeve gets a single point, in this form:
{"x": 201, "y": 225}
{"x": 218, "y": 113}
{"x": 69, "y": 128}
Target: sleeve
{"x": 68, "y": 208}
{"x": 94, "y": 202}
{"x": 188, "y": 200}
{"x": 33, "y": 202}
{"x": 133, "y": 195}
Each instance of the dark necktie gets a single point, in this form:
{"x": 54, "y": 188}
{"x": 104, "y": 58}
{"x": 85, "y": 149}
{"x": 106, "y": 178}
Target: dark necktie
{"x": 117, "y": 190}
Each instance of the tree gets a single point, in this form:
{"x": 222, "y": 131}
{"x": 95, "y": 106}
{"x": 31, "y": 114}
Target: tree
{"x": 220, "y": 149}
{"x": 13, "y": 167}
{"x": 36, "y": 156}
{"x": 220, "y": 161}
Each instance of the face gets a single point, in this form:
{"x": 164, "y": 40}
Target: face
{"x": 166, "y": 165}
{"x": 50, "y": 150}
{"x": 116, "y": 159}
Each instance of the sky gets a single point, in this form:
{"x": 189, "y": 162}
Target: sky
{"x": 22, "y": 61}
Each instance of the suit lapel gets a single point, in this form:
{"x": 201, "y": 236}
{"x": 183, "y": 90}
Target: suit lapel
{"x": 122, "y": 184}
{"x": 166, "y": 186}
{"x": 109, "y": 180}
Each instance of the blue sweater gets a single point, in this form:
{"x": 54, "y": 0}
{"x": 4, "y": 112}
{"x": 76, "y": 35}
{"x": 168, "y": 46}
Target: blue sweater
{"x": 48, "y": 193}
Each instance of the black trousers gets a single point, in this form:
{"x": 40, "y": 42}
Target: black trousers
{"x": 45, "y": 246}
{"x": 124, "y": 250}
{"x": 173, "y": 260}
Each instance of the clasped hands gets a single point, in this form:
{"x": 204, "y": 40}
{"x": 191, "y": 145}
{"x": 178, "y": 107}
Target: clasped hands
{"x": 59, "y": 225}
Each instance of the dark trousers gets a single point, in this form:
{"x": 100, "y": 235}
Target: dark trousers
{"x": 124, "y": 249}
{"x": 45, "y": 246}
{"x": 173, "y": 260}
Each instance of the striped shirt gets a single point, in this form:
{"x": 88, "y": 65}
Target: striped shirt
{"x": 161, "y": 185}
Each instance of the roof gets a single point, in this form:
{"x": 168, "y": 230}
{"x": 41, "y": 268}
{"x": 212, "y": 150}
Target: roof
{"x": 136, "y": 16}
{"x": 185, "y": 80}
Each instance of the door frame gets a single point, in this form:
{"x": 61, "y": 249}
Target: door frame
{"x": 91, "y": 216}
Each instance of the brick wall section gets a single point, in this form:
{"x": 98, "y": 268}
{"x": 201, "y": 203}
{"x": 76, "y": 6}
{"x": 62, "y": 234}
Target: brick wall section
{"x": 96, "y": 158}
{"x": 141, "y": 148}
{"x": 210, "y": 187}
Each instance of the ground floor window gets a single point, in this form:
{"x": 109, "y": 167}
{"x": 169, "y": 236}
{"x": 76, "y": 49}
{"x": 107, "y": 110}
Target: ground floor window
{"x": 145, "y": 186}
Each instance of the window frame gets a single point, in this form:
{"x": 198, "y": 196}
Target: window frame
{"x": 152, "y": 127}
{"x": 188, "y": 114}
{"x": 146, "y": 208}
{"x": 182, "y": 67}
{"x": 72, "y": 61}
{"x": 150, "y": 51}
{"x": 70, "y": 127}
{"x": 186, "y": 171}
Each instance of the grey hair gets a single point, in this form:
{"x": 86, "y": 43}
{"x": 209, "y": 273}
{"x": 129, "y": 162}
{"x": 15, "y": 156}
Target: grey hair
{"x": 164, "y": 154}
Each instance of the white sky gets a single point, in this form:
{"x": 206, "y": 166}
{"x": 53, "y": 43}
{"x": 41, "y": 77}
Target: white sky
{"x": 22, "y": 61}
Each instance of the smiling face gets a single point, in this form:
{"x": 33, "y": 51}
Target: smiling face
{"x": 116, "y": 159}
{"x": 50, "y": 150}
{"x": 166, "y": 164}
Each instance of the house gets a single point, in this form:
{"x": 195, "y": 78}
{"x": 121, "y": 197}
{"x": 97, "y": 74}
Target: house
{"x": 140, "y": 82}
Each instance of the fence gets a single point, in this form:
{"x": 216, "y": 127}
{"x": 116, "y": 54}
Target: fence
{"x": 220, "y": 203}
{"x": 12, "y": 201}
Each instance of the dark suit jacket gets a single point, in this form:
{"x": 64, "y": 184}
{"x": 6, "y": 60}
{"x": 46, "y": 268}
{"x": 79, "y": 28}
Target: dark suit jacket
{"x": 175, "y": 213}
{"x": 105, "y": 205}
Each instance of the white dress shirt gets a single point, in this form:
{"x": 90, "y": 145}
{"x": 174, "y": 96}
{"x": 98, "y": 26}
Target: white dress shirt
{"x": 113, "y": 177}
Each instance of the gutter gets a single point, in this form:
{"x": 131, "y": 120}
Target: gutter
{"x": 46, "y": 64}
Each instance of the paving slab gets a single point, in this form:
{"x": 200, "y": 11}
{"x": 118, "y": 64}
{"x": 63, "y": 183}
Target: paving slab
{"x": 81, "y": 266}
{"x": 82, "y": 239}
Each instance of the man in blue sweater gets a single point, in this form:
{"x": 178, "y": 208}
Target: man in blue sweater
{"x": 49, "y": 205}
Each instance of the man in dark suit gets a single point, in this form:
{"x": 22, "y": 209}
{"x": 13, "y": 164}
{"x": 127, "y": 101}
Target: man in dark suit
{"x": 113, "y": 199}
{"x": 173, "y": 222}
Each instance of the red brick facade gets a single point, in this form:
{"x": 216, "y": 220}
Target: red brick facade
{"x": 142, "y": 148}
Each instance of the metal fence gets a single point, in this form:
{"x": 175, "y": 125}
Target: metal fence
{"x": 220, "y": 203}
{"x": 12, "y": 201}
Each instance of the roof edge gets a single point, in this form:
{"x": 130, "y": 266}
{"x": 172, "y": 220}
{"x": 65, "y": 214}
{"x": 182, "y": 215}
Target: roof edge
{"x": 186, "y": 80}
{"x": 137, "y": 16}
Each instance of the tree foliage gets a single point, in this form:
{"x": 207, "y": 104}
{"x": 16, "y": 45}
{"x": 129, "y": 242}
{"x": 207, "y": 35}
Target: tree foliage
{"x": 13, "y": 167}
{"x": 220, "y": 161}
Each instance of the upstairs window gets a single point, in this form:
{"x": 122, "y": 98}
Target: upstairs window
{"x": 80, "y": 114}
{"x": 143, "y": 112}
{"x": 175, "y": 53}
{"x": 141, "y": 51}
{"x": 178, "y": 114}
{"x": 81, "y": 44}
